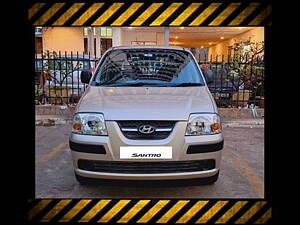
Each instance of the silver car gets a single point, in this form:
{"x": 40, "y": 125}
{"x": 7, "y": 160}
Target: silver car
{"x": 147, "y": 114}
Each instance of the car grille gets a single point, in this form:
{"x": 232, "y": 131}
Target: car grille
{"x": 162, "y": 129}
{"x": 146, "y": 167}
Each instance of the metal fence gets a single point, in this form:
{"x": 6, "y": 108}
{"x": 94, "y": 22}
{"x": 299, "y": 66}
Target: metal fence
{"x": 237, "y": 81}
{"x": 57, "y": 76}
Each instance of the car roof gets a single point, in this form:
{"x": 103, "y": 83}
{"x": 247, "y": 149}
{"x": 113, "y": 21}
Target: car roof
{"x": 149, "y": 47}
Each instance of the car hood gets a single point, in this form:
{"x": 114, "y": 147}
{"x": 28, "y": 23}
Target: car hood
{"x": 146, "y": 103}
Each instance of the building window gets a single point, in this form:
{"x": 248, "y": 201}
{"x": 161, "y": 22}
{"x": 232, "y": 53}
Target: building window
{"x": 38, "y": 30}
{"x": 38, "y": 45}
{"x": 105, "y": 43}
{"x": 105, "y": 32}
{"x": 85, "y": 46}
{"x": 85, "y": 31}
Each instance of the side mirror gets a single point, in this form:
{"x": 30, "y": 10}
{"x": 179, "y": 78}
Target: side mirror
{"x": 85, "y": 77}
{"x": 208, "y": 75}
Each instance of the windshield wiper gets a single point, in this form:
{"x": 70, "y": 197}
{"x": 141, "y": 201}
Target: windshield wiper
{"x": 186, "y": 84}
{"x": 126, "y": 84}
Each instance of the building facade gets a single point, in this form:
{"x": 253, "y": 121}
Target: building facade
{"x": 203, "y": 41}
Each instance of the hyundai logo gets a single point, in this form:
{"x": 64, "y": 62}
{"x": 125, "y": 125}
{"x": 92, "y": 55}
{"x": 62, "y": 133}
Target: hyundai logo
{"x": 146, "y": 129}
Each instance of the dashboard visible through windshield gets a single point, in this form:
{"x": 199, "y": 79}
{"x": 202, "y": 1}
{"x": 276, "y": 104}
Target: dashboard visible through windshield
{"x": 147, "y": 67}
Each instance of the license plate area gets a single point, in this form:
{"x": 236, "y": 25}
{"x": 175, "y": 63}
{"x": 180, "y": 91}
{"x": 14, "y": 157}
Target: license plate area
{"x": 146, "y": 152}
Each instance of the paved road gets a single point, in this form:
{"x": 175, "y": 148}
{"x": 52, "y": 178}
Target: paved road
{"x": 241, "y": 175}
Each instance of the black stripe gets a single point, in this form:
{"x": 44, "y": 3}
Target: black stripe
{"x": 111, "y": 204}
{"x": 215, "y": 14}
{"x": 45, "y": 210}
{"x": 156, "y": 14}
{"x": 117, "y": 14}
{"x": 84, "y": 210}
{"x": 202, "y": 211}
{"x": 221, "y": 212}
{"x": 241, "y": 212}
{"x": 235, "y": 13}
{"x": 256, "y": 12}
{"x": 65, "y": 210}
{"x": 143, "y": 211}
{"x": 259, "y": 213}
{"x": 97, "y": 14}
{"x": 40, "y": 13}
{"x": 123, "y": 211}
{"x": 76, "y": 15}
{"x": 195, "y": 14}
{"x": 136, "y": 14}
{"x": 175, "y": 14}
{"x": 182, "y": 211}
{"x": 58, "y": 14}
{"x": 162, "y": 211}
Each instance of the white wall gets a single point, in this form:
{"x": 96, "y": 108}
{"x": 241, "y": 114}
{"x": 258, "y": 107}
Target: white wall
{"x": 129, "y": 36}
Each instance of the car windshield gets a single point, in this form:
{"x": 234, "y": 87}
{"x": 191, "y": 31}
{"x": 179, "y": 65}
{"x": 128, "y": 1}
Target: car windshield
{"x": 147, "y": 67}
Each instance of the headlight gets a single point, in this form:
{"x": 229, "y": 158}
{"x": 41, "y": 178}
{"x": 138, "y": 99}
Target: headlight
{"x": 201, "y": 124}
{"x": 89, "y": 123}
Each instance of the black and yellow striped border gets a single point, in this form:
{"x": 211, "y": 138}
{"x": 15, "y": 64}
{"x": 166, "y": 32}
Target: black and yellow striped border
{"x": 157, "y": 13}
{"x": 150, "y": 211}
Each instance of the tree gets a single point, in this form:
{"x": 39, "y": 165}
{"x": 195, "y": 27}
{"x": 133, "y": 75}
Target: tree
{"x": 246, "y": 67}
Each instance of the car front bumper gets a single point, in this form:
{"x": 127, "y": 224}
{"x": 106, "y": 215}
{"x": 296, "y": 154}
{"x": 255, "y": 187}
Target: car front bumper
{"x": 107, "y": 149}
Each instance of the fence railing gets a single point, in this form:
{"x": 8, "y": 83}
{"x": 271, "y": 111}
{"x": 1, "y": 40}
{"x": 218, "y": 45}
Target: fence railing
{"x": 237, "y": 81}
{"x": 57, "y": 76}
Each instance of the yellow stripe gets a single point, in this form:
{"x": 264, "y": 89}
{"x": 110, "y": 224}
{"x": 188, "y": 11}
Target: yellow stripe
{"x": 92, "y": 212}
{"x": 37, "y": 208}
{"x": 55, "y": 210}
{"x": 247, "y": 215}
{"x": 73, "y": 212}
{"x": 185, "y": 14}
{"x": 113, "y": 211}
{"x": 244, "y": 14}
{"x": 206, "y": 13}
{"x": 67, "y": 15}
{"x": 168, "y": 215}
{"x": 258, "y": 19}
{"x": 34, "y": 9}
{"x": 157, "y": 207}
{"x": 132, "y": 9}
{"x": 146, "y": 14}
{"x": 133, "y": 211}
{"x": 265, "y": 217}
{"x": 192, "y": 211}
{"x": 107, "y": 14}
{"x": 247, "y": 172}
{"x": 223, "y": 15}
{"x": 50, "y": 12}
{"x": 87, "y": 14}
{"x": 211, "y": 212}
{"x": 165, "y": 15}
{"x": 51, "y": 154}
{"x": 231, "y": 212}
